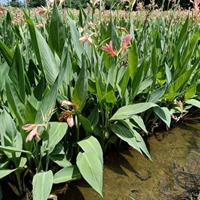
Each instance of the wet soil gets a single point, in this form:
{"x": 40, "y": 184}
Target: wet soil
{"x": 173, "y": 173}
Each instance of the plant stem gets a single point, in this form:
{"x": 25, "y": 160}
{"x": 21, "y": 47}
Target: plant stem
{"x": 19, "y": 182}
{"x": 17, "y": 174}
{"x": 47, "y": 157}
{"x": 78, "y": 131}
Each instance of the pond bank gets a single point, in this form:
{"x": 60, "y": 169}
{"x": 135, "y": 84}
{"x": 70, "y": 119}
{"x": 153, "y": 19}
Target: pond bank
{"x": 173, "y": 173}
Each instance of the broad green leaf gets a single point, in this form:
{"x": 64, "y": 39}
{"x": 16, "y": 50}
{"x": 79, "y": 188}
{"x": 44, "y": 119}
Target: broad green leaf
{"x": 157, "y": 94}
{"x": 91, "y": 144}
{"x": 91, "y": 168}
{"x": 57, "y": 131}
{"x": 190, "y": 92}
{"x": 144, "y": 85}
{"x": 138, "y": 78}
{"x": 110, "y": 97}
{"x": 193, "y": 102}
{"x": 66, "y": 174}
{"x": 6, "y": 52}
{"x": 60, "y": 160}
{"x": 164, "y": 114}
{"x": 43, "y": 53}
{"x": 130, "y": 110}
{"x": 183, "y": 33}
{"x": 139, "y": 121}
{"x": 81, "y": 87}
{"x": 47, "y": 104}
{"x": 15, "y": 105}
{"x": 4, "y": 69}
{"x": 123, "y": 83}
{"x": 8, "y": 129}
{"x": 42, "y": 185}
{"x": 13, "y": 149}
{"x": 75, "y": 38}
{"x": 85, "y": 122}
{"x": 5, "y": 172}
{"x": 168, "y": 73}
{"x": 17, "y": 74}
{"x": 128, "y": 135}
{"x": 57, "y": 31}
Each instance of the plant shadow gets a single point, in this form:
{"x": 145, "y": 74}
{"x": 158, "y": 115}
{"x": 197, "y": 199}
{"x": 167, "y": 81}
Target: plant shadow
{"x": 72, "y": 193}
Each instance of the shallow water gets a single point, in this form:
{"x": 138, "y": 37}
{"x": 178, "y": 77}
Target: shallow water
{"x": 173, "y": 173}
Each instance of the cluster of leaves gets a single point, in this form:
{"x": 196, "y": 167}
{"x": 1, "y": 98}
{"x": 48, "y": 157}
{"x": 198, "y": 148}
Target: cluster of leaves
{"x": 75, "y": 94}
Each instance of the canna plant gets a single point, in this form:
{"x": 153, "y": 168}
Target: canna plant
{"x": 68, "y": 92}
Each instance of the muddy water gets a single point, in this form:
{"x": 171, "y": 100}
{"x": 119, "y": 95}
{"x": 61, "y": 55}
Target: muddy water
{"x": 173, "y": 173}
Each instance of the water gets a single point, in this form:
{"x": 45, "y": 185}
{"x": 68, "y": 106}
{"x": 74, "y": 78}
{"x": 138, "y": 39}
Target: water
{"x": 173, "y": 173}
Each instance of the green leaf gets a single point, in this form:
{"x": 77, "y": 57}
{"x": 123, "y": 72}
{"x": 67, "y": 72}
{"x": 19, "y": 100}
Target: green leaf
{"x": 42, "y": 185}
{"x": 8, "y": 129}
{"x": 126, "y": 112}
{"x": 190, "y": 92}
{"x": 5, "y": 172}
{"x": 164, "y": 114}
{"x": 157, "y": 94}
{"x": 17, "y": 74}
{"x": 60, "y": 160}
{"x": 57, "y": 31}
{"x": 80, "y": 90}
{"x": 139, "y": 121}
{"x": 4, "y": 69}
{"x": 123, "y": 83}
{"x": 75, "y": 38}
{"x": 15, "y": 105}
{"x": 91, "y": 144}
{"x": 168, "y": 73}
{"x": 183, "y": 33}
{"x": 43, "y": 53}
{"x": 91, "y": 169}
{"x": 132, "y": 60}
{"x": 47, "y": 104}
{"x": 13, "y": 149}
{"x": 86, "y": 124}
{"x": 110, "y": 97}
{"x": 93, "y": 174}
{"x": 66, "y": 174}
{"x": 57, "y": 131}
{"x": 129, "y": 135}
{"x": 193, "y": 102}
{"x": 6, "y": 52}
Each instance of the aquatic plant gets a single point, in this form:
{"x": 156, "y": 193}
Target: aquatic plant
{"x": 70, "y": 90}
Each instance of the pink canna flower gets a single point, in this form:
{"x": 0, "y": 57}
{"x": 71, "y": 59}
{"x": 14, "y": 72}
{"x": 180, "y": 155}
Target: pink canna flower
{"x": 67, "y": 116}
{"x": 196, "y": 5}
{"x": 109, "y": 49}
{"x": 86, "y": 38}
{"x": 126, "y": 41}
{"x": 33, "y": 131}
{"x": 28, "y": 127}
{"x": 70, "y": 121}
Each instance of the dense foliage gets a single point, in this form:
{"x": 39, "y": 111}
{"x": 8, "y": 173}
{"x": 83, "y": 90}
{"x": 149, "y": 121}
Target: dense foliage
{"x": 69, "y": 90}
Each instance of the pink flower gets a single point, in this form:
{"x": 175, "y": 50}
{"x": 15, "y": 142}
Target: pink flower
{"x": 67, "y": 116}
{"x": 33, "y": 131}
{"x": 109, "y": 49}
{"x": 85, "y": 38}
{"x": 175, "y": 118}
{"x": 70, "y": 121}
{"x": 126, "y": 41}
{"x": 196, "y": 5}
